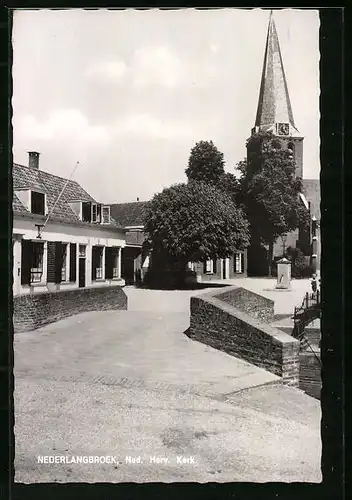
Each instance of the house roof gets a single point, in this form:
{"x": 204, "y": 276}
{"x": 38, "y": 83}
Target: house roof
{"x": 129, "y": 214}
{"x": 311, "y": 190}
{"x": 17, "y": 206}
{"x": 25, "y": 177}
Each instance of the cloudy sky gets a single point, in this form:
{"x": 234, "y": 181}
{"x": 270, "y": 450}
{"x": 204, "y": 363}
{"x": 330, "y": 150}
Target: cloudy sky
{"x": 128, "y": 93}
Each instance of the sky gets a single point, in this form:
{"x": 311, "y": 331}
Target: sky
{"x": 128, "y": 93}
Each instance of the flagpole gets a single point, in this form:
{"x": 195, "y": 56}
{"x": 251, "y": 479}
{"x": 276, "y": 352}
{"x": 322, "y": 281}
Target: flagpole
{"x": 58, "y": 198}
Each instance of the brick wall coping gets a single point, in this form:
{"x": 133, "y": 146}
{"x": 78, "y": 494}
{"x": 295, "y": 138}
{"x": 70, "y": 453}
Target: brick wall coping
{"x": 238, "y": 288}
{"x": 34, "y": 310}
{"x": 66, "y": 290}
{"x": 275, "y": 333}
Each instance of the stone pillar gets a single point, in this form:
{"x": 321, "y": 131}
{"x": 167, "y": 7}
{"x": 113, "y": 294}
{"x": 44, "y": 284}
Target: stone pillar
{"x": 283, "y": 274}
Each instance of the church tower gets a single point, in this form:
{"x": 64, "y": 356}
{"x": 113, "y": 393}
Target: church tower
{"x": 274, "y": 113}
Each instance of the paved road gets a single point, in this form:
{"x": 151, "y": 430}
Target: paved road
{"x": 130, "y": 384}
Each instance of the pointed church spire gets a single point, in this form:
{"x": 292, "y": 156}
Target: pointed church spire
{"x": 274, "y": 111}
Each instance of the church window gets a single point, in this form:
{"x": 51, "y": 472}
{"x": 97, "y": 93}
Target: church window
{"x": 291, "y": 146}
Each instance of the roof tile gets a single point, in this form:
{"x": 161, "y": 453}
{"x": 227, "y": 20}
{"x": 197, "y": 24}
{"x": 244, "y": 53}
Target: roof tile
{"x": 129, "y": 214}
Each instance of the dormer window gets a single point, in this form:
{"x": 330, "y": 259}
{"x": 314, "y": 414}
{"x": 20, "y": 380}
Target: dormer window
{"x": 105, "y": 211}
{"x": 95, "y": 212}
{"x": 37, "y": 203}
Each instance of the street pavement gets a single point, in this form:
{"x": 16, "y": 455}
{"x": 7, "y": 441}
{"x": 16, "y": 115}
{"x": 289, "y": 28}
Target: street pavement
{"x": 131, "y": 385}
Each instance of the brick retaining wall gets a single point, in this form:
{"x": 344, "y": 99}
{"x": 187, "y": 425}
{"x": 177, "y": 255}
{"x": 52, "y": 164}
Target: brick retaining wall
{"x": 32, "y": 311}
{"x": 310, "y": 374}
{"x": 224, "y": 327}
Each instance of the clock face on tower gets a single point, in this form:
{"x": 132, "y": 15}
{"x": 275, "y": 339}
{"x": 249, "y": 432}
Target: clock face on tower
{"x": 283, "y": 128}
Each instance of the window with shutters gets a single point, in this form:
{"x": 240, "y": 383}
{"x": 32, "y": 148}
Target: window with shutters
{"x": 105, "y": 215}
{"x": 64, "y": 263}
{"x": 97, "y": 262}
{"x": 94, "y": 212}
{"x": 57, "y": 262}
{"x": 37, "y": 254}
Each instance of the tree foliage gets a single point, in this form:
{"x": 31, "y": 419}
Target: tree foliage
{"x": 270, "y": 190}
{"x": 206, "y": 163}
{"x": 195, "y": 221}
{"x": 229, "y": 184}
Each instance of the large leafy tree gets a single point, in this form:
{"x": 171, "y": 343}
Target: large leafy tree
{"x": 270, "y": 190}
{"x": 206, "y": 163}
{"x": 228, "y": 183}
{"x": 194, "y": 222}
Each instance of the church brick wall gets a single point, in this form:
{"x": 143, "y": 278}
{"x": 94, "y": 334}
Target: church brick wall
{"x": 224, "y": 327}
{"x": 299, "y": 157}
{"x": 33, "y": 311}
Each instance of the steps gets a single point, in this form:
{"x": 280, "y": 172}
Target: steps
{"x": 312, "y": 332}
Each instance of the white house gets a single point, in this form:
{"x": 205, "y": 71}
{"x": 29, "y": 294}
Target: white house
{"x": 62, "y": 237}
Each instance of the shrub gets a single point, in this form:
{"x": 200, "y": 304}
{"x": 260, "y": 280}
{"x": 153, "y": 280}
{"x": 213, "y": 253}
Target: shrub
{"x": 299, "y": 266}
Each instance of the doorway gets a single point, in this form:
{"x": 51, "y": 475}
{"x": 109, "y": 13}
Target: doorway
{"x": 127, "y": 271}
{"x": 82, "y": 272}
{"x": 225, "y": 269}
